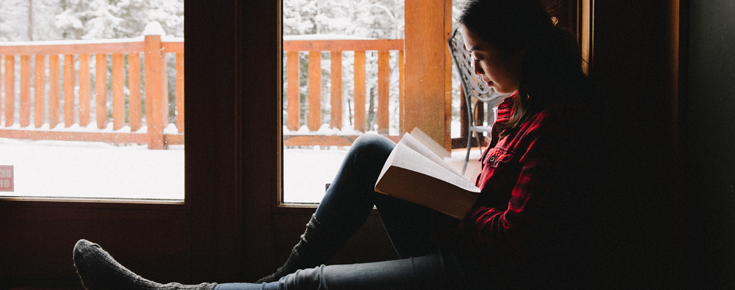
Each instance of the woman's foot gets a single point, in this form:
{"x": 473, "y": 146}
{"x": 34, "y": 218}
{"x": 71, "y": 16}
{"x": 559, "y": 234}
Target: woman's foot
{"x": 99, "y": 271}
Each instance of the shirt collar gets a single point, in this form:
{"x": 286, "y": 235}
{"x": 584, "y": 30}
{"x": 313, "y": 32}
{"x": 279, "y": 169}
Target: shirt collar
{"x": 505, "y": 109}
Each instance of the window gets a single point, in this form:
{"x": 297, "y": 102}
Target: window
{"x": 93, "y": 99}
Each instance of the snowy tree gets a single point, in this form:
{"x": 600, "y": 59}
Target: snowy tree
{"x": 25, "y": 20}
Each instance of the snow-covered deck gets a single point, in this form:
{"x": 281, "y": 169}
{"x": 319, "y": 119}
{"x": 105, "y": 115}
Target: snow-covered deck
{"x": 100, "y": 170}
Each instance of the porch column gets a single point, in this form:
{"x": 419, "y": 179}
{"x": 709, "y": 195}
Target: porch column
{"x": 427, "y": 102}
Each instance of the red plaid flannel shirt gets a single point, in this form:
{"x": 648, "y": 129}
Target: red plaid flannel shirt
{"x": 526, "y": 226}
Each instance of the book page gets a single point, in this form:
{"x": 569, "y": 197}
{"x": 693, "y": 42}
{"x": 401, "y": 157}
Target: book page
{"x": 411, "y": 142}
{"x": 406, "y": 157}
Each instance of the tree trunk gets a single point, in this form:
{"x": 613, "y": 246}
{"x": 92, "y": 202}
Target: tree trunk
{"x": 30, "y": 20}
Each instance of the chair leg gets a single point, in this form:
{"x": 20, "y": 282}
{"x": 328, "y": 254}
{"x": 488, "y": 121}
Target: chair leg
{"x": 469, "y": 147}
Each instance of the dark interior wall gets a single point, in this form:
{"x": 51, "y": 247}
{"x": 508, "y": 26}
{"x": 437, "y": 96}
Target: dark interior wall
{"x": 709, "y": 146}
{"x": 637, "y": 211}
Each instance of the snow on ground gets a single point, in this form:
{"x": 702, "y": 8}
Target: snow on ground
{"x": 100, "y": 170}
{"x": 93, "y": 170}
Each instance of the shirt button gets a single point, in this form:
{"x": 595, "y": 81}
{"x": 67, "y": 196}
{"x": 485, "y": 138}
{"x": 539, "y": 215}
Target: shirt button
{"x": 492, "y": 159}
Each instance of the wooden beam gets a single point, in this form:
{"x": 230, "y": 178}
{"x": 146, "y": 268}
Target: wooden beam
{"x": 425, "y": 67}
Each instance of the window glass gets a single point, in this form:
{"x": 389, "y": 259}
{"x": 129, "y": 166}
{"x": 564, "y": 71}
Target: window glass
{"x": 335, "y": 81}
{"x": 92, "y": 99}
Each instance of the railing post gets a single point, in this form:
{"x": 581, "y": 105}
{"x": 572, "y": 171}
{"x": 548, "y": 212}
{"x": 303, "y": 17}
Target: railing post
{"x": 153, "y": 85}
{"x": 53, "y": 94}
{"x": 69, "y": 96}
{"x": 336, "y": 100}
{"x": 180, "y": 91}
{"x": 25, "y": 90}
{"x": 134, "y": 112}
{"x": 383, "y": 92}
{"x": 9, "y": 90}
{"x": 118, "y": 96}
{"x": 293, "y": 90}
{"x": 401, "y": 94}
{"x": 39, "y": 90}
{"x": 315, "y": 90}
{"x": 359, "y": 94}
{"x": 84, "y": 90}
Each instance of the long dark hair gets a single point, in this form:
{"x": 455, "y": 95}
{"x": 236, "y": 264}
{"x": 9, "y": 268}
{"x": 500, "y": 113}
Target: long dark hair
{"x": 551, "y": 70}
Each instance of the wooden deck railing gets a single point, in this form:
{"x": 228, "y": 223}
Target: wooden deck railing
{"x": 336, "y": 48}
{"x": 77, "y": 96}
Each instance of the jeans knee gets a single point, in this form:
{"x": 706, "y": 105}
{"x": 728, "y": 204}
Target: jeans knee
{"x": 373, "y": 145}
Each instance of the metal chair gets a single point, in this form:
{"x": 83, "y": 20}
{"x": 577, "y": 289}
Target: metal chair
{"x": 473, "y": 89}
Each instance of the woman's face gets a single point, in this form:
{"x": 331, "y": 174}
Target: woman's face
{"x": 498, "y": 71}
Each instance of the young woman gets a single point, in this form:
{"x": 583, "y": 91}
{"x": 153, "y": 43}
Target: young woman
{"x": 527, "y": 229}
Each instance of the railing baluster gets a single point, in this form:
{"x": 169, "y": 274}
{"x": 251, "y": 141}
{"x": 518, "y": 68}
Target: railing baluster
{"x": 69, "y": 83}
{"x": 154, "y": 91}
{"x": 134, "y": 111}
{"x": 54, "y": 88}
{"x": 359, "y": 94}
{"x": 383, "y": 91}
{"x": 180, "y": 92}
{"x": 9, "y": 90}
{"x": 315, "y": 90}
{"x": 336, "y": 99}
{"x": 1, "y": 82}
{"x": 84, "y": 90}
{"x": 39, "y": 90}
{"x": 401, "y": 95}
{"x": 25, "y": 90}
{"x": 293, "y": 110}
{"x": 100, "y": 90}
{"x": 118, "y": 96}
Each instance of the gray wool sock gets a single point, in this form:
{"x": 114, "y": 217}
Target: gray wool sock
{"x": 314, "y": 248}
{"x": 99, "y": 271}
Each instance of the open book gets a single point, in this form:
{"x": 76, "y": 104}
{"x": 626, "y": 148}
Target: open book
{"x": 416, "y": 174}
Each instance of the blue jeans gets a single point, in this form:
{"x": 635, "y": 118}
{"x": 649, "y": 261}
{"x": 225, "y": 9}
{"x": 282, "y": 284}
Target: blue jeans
{"x": 345, "y": 208}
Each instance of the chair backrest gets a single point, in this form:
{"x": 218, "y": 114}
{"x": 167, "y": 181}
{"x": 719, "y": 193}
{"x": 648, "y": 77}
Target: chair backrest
{"x": 471, "y": 86}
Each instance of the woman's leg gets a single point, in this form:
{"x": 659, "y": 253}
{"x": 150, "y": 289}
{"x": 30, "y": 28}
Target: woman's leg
{"x": 99, "y": 271}
{"x": 433, "y": 271}
{"x": 347, "y": 205}
{"x": 350, "y": 199}
{"x": 343, "y": 209}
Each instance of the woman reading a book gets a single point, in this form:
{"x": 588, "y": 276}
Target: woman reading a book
{"x": 526, "y": 229}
